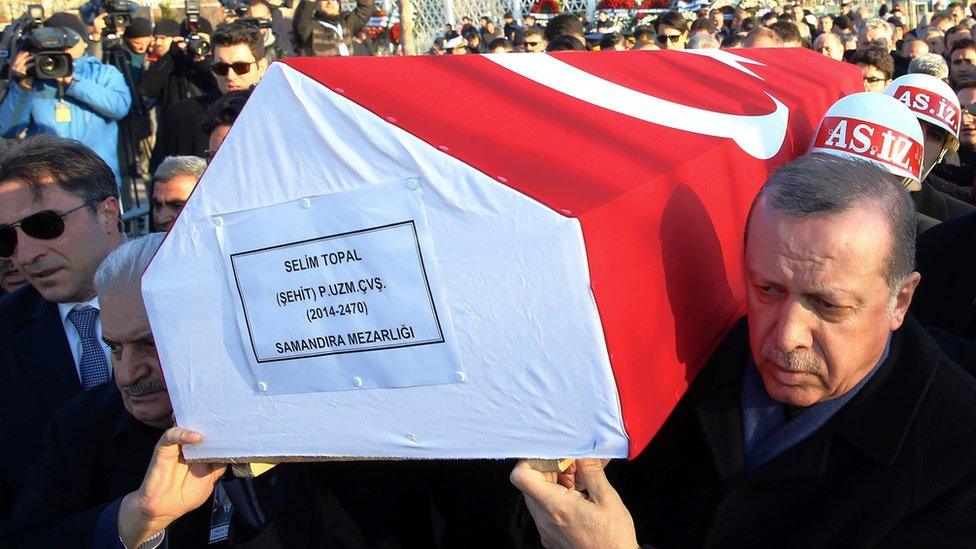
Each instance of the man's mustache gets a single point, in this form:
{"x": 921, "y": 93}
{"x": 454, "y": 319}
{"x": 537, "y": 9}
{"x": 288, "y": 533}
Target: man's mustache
{"x": 801, "y": 362}
{"x": 144, "y": 387}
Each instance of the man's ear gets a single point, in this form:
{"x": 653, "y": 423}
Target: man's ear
{"x": 903, "y": 299}
{"x": 109, "y": 213}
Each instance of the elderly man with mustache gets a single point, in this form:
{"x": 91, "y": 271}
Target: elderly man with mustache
{"x": 827, "y": 418}
{"x": 111, "y": 472}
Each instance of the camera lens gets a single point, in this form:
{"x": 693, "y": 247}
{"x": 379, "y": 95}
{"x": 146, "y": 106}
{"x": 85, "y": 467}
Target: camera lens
{"x": 49, "y": 66}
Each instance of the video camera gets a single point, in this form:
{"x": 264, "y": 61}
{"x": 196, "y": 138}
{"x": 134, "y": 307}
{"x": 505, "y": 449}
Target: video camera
{"x": 119, "y": 14}
{"x": 14, "y": 37}
{"x": 48, "y": 44}
{"x": 236, "y": 7}
{"x": 195, "y": 43}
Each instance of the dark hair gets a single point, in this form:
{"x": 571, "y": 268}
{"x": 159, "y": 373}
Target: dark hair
{"x": 533, "y": 31}
{"x": 239, "y": 32}
{"x": 822, "y": 184}
{"x": 766, "y": 17}
{"x": 842, "y": 22}
{"x": 44, "y": 158}
{"x": 732, "y": 41}
{"x": 672, "y": 19}
{"x": 565, "y": 42}
{"x": 610, "y": 40}
{"x": 787, "y": 30}
{"x": 644, "y": 33}
{"x": 702, "y": 23}
{"x": 877, "y": 57}
{"x": 225, "y": 110}
{"x": 748, "y": 24}
{"x": 564, "y": 23}
{"x": 964, "y": 44}
{"x": 956, "y": 28}
{"x": 499, "y": 43}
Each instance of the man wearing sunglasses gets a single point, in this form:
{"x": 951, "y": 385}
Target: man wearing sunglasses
{"x": 59, "y": 218}
{"x": 239, "y": 62}
{"x": 672, "y": 31}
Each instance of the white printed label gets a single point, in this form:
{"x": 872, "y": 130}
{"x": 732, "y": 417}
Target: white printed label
{"x": 339, "y": 292}
{"x": 353, "y": 292}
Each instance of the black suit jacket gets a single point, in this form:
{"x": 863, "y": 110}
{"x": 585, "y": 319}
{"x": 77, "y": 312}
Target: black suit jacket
{"x": 37, "y": 375}
{"x": 946, "y": 259}
{"x": 95, "y": 453}
{"x": 894, "y": 467}
{"x": 933, "y": 203}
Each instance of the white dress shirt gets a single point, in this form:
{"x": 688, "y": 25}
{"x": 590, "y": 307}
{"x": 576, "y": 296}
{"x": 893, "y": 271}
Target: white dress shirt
{"x": 74, "y": 338}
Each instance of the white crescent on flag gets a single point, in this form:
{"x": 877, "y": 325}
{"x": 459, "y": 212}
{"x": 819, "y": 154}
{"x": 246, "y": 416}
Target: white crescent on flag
{"x": 758, "y": 136}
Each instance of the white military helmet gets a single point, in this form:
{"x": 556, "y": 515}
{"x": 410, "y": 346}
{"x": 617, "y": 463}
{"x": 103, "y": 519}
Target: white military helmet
{"x": 932, "y": 100}
{"x": 877, "y": 128}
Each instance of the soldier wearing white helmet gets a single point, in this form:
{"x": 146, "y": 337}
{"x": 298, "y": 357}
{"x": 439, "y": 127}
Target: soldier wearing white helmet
{"x": 879, "y": 129}
{"x": 936, "y": 106}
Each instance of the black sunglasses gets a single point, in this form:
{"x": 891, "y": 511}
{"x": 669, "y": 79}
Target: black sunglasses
{"x": 43, "y": 225}
{"x": 673, "y": 38}
{"x": 240, "y": 67}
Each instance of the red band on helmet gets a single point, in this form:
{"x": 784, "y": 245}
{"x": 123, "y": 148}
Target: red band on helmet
{"x": 870, "y": 141}
{"x": 930, "y": 104}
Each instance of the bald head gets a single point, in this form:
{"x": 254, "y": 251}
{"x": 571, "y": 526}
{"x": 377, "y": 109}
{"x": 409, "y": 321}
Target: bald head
{"x": 830, "y": 45}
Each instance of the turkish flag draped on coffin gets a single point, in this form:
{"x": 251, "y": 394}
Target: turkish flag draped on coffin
{"x": 579, "y": 230}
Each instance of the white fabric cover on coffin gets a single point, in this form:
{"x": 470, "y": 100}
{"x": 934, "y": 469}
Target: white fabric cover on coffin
{"x": 514, "y": 276}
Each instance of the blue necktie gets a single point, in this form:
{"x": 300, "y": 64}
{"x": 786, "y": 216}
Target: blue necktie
{"x": 94, "y": 367}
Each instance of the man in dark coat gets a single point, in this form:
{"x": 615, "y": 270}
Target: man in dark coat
{"x": 178, "y": 74}
{"x": 112, "y": 470}
{"x": 322, "y": 30}
{"x": 947, "y": 293}
{"x": 238, "y": 63}
{"x": 830, "y": 419}
{"x": 45, "y": 357}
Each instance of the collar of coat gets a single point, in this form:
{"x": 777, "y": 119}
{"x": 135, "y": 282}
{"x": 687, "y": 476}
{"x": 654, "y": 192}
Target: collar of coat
{"x": 875, "y": 422}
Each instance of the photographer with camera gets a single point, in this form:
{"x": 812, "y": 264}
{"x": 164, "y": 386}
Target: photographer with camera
{"x": 56, "y": 88}
{"x": 239, "y": 62}
{"x": 322, "y": 30}
{"x": 181, "y": 71}
{"x": 261, "y": 14}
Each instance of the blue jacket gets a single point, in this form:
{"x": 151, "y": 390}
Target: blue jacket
{"x": 97, "y": 97}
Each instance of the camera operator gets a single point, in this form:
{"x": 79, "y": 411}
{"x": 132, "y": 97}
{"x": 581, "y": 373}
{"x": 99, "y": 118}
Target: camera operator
{"x": 130, "y": 56}
{"x": 261, "y": 13}
{"x": 85, "y": 103}
{"x": 239, "y": 62}
{"x": 178, "y": 73}
{"x": 322, "y": 30}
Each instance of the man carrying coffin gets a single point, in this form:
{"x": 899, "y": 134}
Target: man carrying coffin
{"x": 111, "y": 469}
{"x": 826, "y": 418}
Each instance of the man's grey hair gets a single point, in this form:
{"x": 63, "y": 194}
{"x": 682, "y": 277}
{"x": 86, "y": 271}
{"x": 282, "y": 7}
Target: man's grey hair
{"x": 172, "y": 166}
{"x": 878, "y": 23}
{"x": 822, "y": 184}
{"x": 819, "y": 40}
{"x": 931, "y": 64}
{"x": 125, "y": 265}
{"x": 703, "y": 41}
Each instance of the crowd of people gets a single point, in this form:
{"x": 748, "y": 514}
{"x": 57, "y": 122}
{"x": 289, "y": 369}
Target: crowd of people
{"x": 837, "y": 412}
